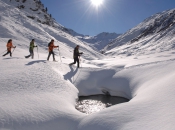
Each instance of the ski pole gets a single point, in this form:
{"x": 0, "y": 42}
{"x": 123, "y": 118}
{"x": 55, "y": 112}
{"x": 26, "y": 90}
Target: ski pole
{"x": 37, "y": 52}
{"x": 13, "y": 50}
{"x": 59, "y": 54}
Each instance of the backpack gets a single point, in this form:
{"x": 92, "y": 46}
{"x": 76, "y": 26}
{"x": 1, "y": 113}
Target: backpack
{"x": 49, "y": 44}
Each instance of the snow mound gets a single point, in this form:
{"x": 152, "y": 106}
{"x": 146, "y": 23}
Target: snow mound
{"x": 36, "y": 94}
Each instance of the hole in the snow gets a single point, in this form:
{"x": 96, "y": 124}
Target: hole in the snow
{"x": 96, "y": 103}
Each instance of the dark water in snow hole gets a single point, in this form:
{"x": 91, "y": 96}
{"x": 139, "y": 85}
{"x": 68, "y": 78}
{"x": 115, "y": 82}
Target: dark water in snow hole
{"x": 96, "y": 103}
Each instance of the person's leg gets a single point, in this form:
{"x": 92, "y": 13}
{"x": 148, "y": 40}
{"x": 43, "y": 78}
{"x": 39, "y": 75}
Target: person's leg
{"x": 53, "y": 56}
{"x": 73, "y": 62}
{"x": 27, "y": 56}
{"x": 5, "y": 54}
{"x": 10, "y": 53}
{"x": 78, "y": 62}
{"x": 31, "y": 53}
{"x": 49, "y": 56}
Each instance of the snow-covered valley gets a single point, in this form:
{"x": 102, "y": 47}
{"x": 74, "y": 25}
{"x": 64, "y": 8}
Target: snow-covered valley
{"x": 40, "y": 95}
{"x": 36, "y": 94}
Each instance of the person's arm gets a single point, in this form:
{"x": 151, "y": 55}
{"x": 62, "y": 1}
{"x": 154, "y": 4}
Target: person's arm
{"x": 55, "y": 46}
{"x": 80, "y": 53}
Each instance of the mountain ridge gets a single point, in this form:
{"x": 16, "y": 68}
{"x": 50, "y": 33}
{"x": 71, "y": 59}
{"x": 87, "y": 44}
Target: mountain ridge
{"x": 154, "y": 34}
{"x": 15, "y": 24}
{"x": 36, "y": 11}
{"x": 97, "y": 42}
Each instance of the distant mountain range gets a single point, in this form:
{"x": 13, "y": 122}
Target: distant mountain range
{"x": 97, "y": 42}
{"x": 154, "y": 34}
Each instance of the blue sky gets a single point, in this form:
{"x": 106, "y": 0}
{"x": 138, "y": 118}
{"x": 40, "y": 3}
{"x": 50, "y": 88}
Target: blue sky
{"x": 113, "y": 16}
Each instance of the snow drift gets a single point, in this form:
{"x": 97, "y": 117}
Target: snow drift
{"x": 41, "y": 95}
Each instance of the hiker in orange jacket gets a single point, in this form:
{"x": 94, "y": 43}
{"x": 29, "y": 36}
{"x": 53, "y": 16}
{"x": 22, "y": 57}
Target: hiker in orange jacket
{"x": 9, "y": 46}
{"x": 51, "y": 47}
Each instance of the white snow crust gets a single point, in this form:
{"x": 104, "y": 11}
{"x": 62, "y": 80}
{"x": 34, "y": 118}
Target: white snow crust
{"x": 36, "y": 94}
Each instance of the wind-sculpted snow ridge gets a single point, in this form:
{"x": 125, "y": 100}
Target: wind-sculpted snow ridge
{"x": 155, "y": 34}
{"x": 41, "y": 95}
{"x": 36, "y": 94}
{"x": 32, "y": 95}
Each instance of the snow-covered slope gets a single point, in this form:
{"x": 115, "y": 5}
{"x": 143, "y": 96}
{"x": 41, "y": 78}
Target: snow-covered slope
{"x": 16, "y": 24}
{"x": 155, "y": 34}
{"x": 97, "y": 42}
{"x": 41, "y": 95}
{"x": 34, "y": 10}
{"x": 36, "y": 94}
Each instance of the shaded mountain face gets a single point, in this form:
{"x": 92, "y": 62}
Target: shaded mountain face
{"x": 155, "y": 34}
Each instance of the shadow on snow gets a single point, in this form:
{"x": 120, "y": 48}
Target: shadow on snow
{"x": 33, "y": 62}
{"x": 70, "y": 74}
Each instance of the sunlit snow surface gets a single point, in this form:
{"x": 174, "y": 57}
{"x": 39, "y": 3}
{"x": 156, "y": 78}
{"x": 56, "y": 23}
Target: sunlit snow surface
{"x": 41, "y": 95}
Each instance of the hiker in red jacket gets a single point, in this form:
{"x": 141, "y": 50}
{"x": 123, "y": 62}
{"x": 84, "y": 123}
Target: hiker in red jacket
{"x": 9, "y": 46}
{"x": 50, "y": 49}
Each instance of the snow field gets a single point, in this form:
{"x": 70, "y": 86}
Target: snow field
{"x": 33, "y": 94}
{"x": 40, "y": 95}
{"x": 152, "y": 95}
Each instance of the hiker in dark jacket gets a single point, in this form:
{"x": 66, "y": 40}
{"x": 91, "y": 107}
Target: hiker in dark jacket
{"x": 9, "y": 46}
{"x": 51, "y": 46}
{"x": 76, "y": 56}
{"x": 32, "y": 46}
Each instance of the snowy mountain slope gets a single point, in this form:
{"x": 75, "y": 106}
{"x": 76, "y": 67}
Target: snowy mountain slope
{"x": 17, "y": 26}
{"x": 155, "y": 34}
{"x": 97, "y": 42}
{"x": 36, "y": 94}
{"x": 36, "y": 11}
